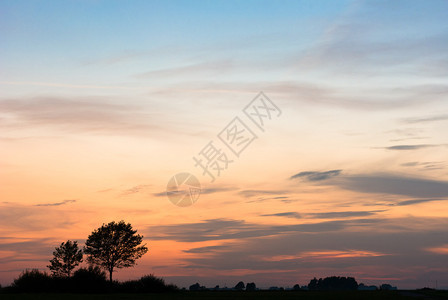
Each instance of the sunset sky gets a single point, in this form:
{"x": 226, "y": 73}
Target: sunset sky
{"x": 102, "y": 102}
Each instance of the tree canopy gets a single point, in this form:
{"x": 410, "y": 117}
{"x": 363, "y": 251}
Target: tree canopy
{"x": 114, "y": 246}
{"x": 66, "y": 257}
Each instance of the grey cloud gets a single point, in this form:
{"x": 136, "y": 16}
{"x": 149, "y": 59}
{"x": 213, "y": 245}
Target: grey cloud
{"x": 426, "y": 165}
{"x": 409, "y": 147}
{"x": 417, "y": 201}
{"x": 35, "y": 218}
{"x": 57, "y": 203}
{"x": 223, "y": 229}
{"x": 396, "y": 185}
{"x": 294, "y": 215}
{"x": 40, "y": 247}
{"x": 217, "y": 190}
{"x": 317, "y": 176}
{"x": 343, "y": 214}
{"x": 325, "y": 215}
{"x": 207, "y": 249}
{"x": 427, "y": 119}
{"x": 204, "y": 191}
{"x": 246, "y": 254}
{"x": 252, "y": 193}
{"x": 94, "y": 115}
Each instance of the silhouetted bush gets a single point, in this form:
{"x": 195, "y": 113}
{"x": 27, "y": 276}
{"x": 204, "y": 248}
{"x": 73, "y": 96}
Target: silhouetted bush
{"x": 296, "y": 287}
{"x": 32, "y": 281}
{"x": 90, "y": 279}
{"x": 147, "y": 283}
{"x": 251, "y": 286}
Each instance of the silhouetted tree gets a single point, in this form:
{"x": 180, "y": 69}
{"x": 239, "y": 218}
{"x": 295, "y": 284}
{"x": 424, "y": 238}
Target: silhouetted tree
{"x": 387, "y": 287}
{"x": 239, "y": 286}
{"x": 251, "y": 286}
{"x": 313, "y": 285}
{"x": 195, "y": 287}
{"x": 66, "y": 257}
{"x": 296, "y": 287}
{"x": 333, "y": 283}
{"x": 114, "y": 246}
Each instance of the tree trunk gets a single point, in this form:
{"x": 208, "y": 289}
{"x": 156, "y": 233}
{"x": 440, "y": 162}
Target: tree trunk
{"x": 110, "y": 275}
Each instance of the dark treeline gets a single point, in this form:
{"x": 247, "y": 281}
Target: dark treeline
{"x": 333, "y": 283}
{"x": 93, "y": 279}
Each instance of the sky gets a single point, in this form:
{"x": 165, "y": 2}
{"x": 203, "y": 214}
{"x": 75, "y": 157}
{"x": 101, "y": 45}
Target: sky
{"x": 102, "y": 103}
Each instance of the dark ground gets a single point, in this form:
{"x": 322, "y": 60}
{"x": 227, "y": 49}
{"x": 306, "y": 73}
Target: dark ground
{"x": 258, "y": 295}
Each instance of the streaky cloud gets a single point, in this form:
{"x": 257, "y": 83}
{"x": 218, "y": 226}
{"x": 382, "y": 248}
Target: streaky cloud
{"x": 395, "y": 185}
{"x": 57, "y": 203}
{"x": 410, "y": 147}
{"x": 291, "y": 214}
{"x": 252, "y": 193}
{"x": 427, "y": 119}
{"x": 324, "y": 215}
{"x": 316, "y": 176}
{"x": 229, "y": 229}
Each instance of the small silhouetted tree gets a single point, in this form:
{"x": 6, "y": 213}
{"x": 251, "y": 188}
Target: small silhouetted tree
{"x": 114, "y": 246}
{"x": 386, "y": 287}
{"x": 313, "y": 285}
{"x": 239, "y": 286}
{"x": 66, "y": 257}
{"x": 296, "y": 287}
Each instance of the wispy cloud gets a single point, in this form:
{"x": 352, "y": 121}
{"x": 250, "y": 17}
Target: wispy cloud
{"x": 253, "y": 193}
{"x": 64, "y": 85}
{"x": 204, "y": 191}
{"x": 316, "y": 176}
{"x": 95, "y": 115}
{"x": 290, "y": 214}
{"x": 326, "y": 255}
{"x": 57, "y": 203}
{"x": 324, "y": 215}
{"x": 227, "y": 229}
{"x": 417, "y": 201}
{"x": 32, "y": 218}
{"x": 410, "y": 147}
{"x": 135, "y": 189}
{"x": 395, "y": 185}
{"x": 215, "y": 67}
{"x": 427, "y": 119}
